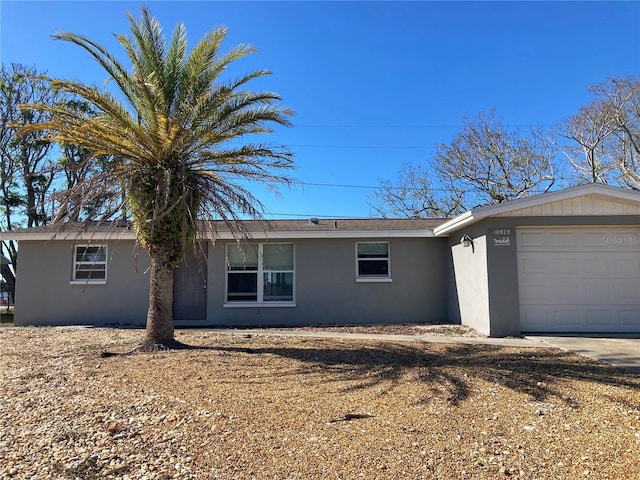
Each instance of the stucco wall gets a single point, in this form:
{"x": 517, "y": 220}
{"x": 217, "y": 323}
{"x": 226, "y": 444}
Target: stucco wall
{"x": 502, "y": 296}
{"x": 327, "y": 293}
{"x": 45, "y": 296}
{"x": 472, "y": 284}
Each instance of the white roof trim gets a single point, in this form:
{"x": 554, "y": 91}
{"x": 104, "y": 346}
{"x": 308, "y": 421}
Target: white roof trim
{"x": 87, "y": 236}
{"x": 335, "y": 234}
{"x": 129, "y": 235}
{"x": 479, "y": 213}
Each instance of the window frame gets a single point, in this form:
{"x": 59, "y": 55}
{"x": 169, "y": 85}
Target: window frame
{"x": 77, "y": 263}
{"x": 364, "y": 278}
{"x": 260, "y": 274}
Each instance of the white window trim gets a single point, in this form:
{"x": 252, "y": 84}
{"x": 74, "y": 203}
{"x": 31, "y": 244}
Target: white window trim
{"x": 373, "y": 279}
{"x": 260, "y": 303}
{"x": 75, "y": 263}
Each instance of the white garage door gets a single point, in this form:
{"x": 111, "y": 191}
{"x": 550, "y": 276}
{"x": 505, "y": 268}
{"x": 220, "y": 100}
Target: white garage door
{"x": 579, "y": 279}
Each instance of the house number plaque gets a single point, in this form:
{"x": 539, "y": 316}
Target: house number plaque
{"x": 500, "y": 237}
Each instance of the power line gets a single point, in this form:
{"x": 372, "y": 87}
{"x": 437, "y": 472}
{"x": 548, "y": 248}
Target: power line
{"x": 377, "y": 147}
{"x": 308, "y": 215}
{"x": 337, "y": 185}
{"x": 527, "y": 125}
{"x": 377, "y": 187}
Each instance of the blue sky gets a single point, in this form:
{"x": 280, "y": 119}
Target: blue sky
{"x": 373, "y": 84}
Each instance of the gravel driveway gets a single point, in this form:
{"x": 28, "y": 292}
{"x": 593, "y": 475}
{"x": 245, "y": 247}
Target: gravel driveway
{"x": 253, "y": 407}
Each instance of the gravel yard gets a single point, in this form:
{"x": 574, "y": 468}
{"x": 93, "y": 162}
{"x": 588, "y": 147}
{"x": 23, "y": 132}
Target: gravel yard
{"x": 261, "y": 407}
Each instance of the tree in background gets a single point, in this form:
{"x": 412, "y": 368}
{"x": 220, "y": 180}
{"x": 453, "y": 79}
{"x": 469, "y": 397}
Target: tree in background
{"x": 588, "y": 154}
{"x": 486, "y": 163}
{"x": 26, "y": 169}
{"x": 604, "y": 136}
{"x": 178, "y": 139}
{"x": 415, "y": 194}
{"x": 621, "y": 96}
{"x": 83, "y": 195}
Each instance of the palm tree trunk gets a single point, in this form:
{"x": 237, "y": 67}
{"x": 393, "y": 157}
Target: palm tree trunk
{"x": 160, "y": 330}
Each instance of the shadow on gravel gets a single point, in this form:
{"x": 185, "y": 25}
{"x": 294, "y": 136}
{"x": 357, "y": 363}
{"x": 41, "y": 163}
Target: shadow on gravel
{"x": 535, "y": 372}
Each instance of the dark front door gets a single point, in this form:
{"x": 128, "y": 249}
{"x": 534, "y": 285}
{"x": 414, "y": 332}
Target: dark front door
{"x": 190, "y": 287}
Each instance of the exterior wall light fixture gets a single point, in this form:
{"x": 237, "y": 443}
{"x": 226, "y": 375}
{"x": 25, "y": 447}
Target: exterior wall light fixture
{"x": 466, "y": 241}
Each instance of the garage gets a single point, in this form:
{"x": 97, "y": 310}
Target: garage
{"x": 579, "y": 279}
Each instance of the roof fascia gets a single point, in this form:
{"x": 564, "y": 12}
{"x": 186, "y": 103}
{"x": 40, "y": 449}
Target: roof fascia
{"x": 454, "y": 224}
{"x": 47, "y": 236}
{"x": 427, "y": 233}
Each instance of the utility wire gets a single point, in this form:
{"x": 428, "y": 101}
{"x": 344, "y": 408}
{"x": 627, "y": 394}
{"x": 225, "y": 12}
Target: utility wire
{"x": 377, "y": 147}
{"x": 418, "y": 126}
{"x": 374, "y": 187}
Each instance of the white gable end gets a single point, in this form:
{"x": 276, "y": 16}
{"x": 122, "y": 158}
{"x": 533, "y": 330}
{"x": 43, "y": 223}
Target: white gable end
{"x": 584, "y": 205}
{"x": 583, "y": 200}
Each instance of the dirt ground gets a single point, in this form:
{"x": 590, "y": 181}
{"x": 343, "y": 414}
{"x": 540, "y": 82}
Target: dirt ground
{"x": 257, "y": 407}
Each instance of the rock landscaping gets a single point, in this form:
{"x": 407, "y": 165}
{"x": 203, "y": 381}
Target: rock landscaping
{"x": 74, "y": 405}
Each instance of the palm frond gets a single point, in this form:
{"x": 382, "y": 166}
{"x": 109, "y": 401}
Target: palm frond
{"x": 106, "y": 60}
{"x": 181, "y": 135}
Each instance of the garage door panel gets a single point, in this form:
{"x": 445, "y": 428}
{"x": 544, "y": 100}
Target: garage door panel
{"x": 581, "y": 239}
{"x": 536, "y": 293}
{"x": 576, "y": 319}
{"x": 601, "y": 318}
{"x": 537, "y": 316}
{"x": 628, "y": 293}
{"x": 579, "y": 279}
{"x": 596, "y": 292}
{"x": 563, "y": 240}
{"x": 534, "y": 265}
{"x": 566, "y": 293}
{"x": 593, "y": 240}
{"x": 596, "y": 265}
{"x": 630, "y": 318}
{"x": 567, "y": 317}
{"x": 563, "y": 265}
{"x": 569, "y": 292}
{"x": 630, "y": 266}
{"x": 531, "y": 240}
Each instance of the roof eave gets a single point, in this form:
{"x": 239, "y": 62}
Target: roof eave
{"x": 427, "y": 233}
{"x": 455, "y": 223}
{"x": 129, "y": 235}
{"x": 46, "y": 236}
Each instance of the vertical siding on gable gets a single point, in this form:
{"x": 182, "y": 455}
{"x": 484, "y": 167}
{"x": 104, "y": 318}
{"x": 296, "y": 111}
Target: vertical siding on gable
{"x": 589, "y": 205}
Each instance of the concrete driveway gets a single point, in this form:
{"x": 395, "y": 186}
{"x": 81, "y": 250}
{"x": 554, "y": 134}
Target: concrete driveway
{"x": 620, "y": 351}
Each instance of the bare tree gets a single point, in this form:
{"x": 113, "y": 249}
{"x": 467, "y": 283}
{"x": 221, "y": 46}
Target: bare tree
{"x": 604, "y": 136}
{"x": 415, "y": 194}
{"x": 588, "y": 155}
{"x": 621, "y": 96}
{"x": 486, "y": 163}
{"x": 26, "y": 171}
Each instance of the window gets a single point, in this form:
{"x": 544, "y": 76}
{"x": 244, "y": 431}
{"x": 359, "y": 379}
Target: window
{"x": 260, "y": 273}
{"x": 90, "y": 263}
{"x": 373, "y": 261}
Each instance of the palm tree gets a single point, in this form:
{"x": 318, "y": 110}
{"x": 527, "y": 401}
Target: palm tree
{"x": 178, "y": 134}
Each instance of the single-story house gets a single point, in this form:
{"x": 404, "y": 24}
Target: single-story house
{"x": 564, "y": 261}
